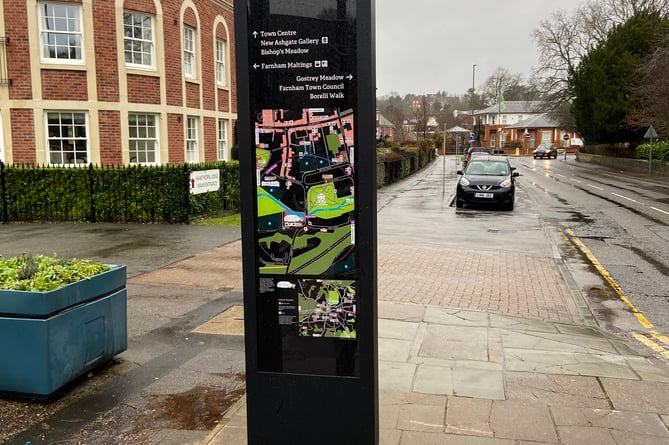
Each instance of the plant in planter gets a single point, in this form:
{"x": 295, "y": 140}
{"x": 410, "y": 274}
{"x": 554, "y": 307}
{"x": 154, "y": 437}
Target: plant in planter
{"x": 58, "y": 319}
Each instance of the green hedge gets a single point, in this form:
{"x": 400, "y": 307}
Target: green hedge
{"x": 395, "y": 162}
{"x": 660, "y": 151}
{"x": 146, "y": 194}
{"x": 113, "y": 194}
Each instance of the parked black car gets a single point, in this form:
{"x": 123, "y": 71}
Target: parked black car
{"x": 487, "y": 180}
{"x": 546, "y": 151}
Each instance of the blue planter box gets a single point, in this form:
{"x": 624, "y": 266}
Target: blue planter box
{"x": 48, "y": 339}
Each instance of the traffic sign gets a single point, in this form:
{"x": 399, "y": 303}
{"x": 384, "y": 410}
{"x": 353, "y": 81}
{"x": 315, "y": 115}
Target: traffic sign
{"x": 650, "y": 133}
{"x": 565, "y": 137}
{"x": 527, "y": 135}
{"x": 471, "y": 136}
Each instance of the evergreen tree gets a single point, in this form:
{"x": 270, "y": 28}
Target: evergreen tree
{"x": 602, "y": 81}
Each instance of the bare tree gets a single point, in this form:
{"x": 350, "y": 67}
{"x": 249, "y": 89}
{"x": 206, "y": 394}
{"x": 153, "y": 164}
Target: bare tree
{"x": 563, "y": 40}
{"x": 397, "y": 116}
{"x": 501, "y": 85}
{"x": 422, "y": 115}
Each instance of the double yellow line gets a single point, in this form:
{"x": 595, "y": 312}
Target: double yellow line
{"x": 651, "y": 338}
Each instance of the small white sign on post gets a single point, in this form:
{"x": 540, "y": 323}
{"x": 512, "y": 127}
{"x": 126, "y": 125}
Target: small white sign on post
{"x": 204, "y": 181}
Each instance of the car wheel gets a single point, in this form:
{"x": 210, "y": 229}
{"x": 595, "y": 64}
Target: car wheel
{"x": 509, "y": 206}
{"x": 458, "y": 203}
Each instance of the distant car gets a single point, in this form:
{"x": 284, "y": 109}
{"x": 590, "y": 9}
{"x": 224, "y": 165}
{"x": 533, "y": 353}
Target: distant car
{"x": 475, "y": 151}
{"x": 487, "y": 180}
{"x": 546, "y": 151}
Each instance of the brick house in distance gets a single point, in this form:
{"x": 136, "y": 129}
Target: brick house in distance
{"x": 520, "y": 124}
{"x": 385, "y": 130}
{"x": 116, "y": 82}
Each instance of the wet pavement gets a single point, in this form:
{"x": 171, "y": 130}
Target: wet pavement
{"x": 482, "y": 356}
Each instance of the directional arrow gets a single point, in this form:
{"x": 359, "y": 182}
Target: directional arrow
{"x": 255, "y": 34}
{"x": 350, "y": 77}
{"x": 255, "y": 66}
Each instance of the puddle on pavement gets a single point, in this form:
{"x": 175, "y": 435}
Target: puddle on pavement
{"x": 198, "y": 409}
{"x": 579, "y": 217}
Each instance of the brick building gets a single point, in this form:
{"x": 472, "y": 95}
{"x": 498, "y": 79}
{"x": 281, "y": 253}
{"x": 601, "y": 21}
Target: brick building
{"x": 116, "y": 82}
{"x": 523, "y": 124}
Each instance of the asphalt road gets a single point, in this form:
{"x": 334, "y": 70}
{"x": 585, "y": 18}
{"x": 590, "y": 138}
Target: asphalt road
{"x": 622, "y": 218}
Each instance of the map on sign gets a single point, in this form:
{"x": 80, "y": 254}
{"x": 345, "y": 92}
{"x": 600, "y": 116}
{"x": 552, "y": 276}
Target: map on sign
{"x": 305, "y": 192}
{"x": 327, "y": 309}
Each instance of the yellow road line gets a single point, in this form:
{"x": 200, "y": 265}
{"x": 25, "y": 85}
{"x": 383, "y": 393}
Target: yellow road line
{"x": 637, "y": 313}
{"x": 659, "y": 337}
{"x": 609, "y": 279}
{"x": 651, "y": 344}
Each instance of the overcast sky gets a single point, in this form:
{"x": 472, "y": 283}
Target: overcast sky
{"x": 425, "y": 46}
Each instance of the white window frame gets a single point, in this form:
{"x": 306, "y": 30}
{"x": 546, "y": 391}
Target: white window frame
{"x": 69, "y": 134}
{"x": 192, "y": 146}
{"x": 54, "y": 28}
{"x": 143, "y": 131}
{"x": 221, "y": 55}
{"x": 139, "y": 34}
{"x": 189, "y": 59}
{"x": 222, "y": 139}
{"x": 546, "y": 136}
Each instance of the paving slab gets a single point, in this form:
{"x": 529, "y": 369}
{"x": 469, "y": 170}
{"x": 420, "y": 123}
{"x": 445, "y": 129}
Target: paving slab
{"x": 639, "y": 396}
{"x": 455, "y": 343}
{"x": 557, "y": 390}
{"x": 468, "y": 416}
{"x": 522, "y": 420}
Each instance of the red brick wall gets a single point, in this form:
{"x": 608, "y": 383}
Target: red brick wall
{"x": 189, "y": 18}
{"x": 64, "y": 85}
{"x": 192, "y": 95}
{"x": 210, "y": 139}
{"x": 106, "y": 65}
{"x": 143, "y": 89}
{"x": 110, "y": 138}
{"x": 67, "y": 85}
{"x": 18, "y": 63}
{"x": 140, "y": 5}
{"x": 207, "y": 55}
{"x": 23, "y": 136}
{"x": 173, "y": 55}
{"x": 175, "y": 136}
{"x": 223, "y": 99}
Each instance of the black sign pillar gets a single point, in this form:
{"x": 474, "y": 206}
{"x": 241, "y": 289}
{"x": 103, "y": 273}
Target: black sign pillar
{"x": 307, "y": 118}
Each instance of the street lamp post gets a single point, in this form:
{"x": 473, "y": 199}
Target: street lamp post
{"x": 473, "y": 89}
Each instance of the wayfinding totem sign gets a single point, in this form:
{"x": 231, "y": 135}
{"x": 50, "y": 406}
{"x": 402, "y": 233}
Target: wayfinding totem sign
{"x": 306, "y": 103}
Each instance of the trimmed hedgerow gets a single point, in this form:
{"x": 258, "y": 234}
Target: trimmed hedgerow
{"x": 145, "y": 194}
